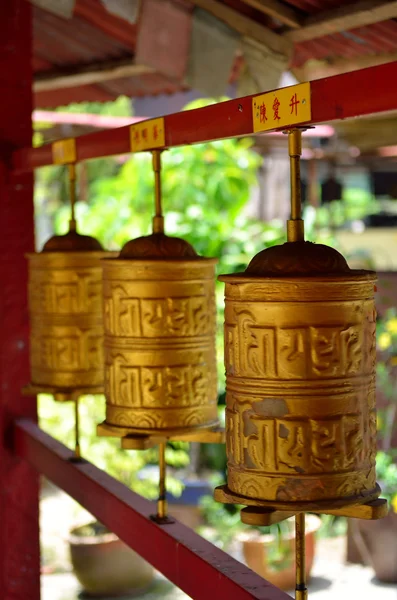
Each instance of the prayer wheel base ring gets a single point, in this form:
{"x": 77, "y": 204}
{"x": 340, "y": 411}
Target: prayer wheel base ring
{"x": 224, "y": 495}
{"x": 62, "y": 394}
{"x": 106, "y": 430}
{"x": 262, "y": 517}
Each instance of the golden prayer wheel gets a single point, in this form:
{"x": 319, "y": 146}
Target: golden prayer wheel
{"x": 159, "y": 312}
{"x": 66, "y": 314}
{"x": 160, "y": 366}
{"x": 300, "y": 355}
{"x": 300, "y": 378}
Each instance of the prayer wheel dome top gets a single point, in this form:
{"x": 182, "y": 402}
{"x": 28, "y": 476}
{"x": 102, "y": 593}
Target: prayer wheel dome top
{"x": 72, "y": 242}
{"x": 298, "y": 259}
{"x": 158, "y": 246}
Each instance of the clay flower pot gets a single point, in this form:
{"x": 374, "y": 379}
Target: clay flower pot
{"x": 376, "y": 543}
{"x": 281, "y": 573}
{"x": 104, "y": 565}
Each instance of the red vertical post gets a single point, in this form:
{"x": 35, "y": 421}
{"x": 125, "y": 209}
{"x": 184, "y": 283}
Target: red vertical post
{"x": 19, "y": 515}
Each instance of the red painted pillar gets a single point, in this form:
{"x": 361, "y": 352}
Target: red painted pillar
{"x": 19, "y": 529}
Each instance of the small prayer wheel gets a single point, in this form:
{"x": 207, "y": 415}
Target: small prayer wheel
{"x": 66, "y": 315}
{"x": 160, "y": 325}
{"x": 160, "y": 364}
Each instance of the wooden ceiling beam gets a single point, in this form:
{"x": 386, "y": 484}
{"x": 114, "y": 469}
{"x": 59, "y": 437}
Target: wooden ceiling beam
{"x": 319, "y": 69}
{"x": 344, "y": 18}
{"x": 277, "y": 10}
{"x": 245, "y": 26}
{"x": 95, "y": 73}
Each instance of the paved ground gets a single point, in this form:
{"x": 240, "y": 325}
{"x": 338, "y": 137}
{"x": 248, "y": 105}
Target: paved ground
{"x": 331, "y": 577}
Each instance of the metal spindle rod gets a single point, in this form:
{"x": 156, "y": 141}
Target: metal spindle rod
{"x": 300, "y": 557}
{"x": 162, "y": 502}
{"x": 158, "y": 219}
{"x": 72, "y": 193}
{"x": 295, "y": 228}
{"x": 77, "y": 429}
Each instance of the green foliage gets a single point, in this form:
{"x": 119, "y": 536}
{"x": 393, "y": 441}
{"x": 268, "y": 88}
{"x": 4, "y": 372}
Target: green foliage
{"x": 355, "y": 204}
{"x": 121, "y": 107}
{"x": 386, "y": 471}
{"x": 58, "y": 420}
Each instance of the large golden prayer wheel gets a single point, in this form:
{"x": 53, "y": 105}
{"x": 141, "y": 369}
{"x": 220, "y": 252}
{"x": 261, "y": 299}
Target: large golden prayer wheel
{"x": 300, "y": 379}
{"x": 66, "y": 314}
{"x": 160, "y": 364}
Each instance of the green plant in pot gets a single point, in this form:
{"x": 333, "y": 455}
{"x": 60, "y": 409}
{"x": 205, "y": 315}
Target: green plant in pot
{"x": 375, "y": 542}
{"x": 269, "y": 551}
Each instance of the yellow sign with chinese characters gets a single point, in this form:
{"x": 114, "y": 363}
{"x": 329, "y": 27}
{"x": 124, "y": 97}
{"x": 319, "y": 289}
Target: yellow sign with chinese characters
{"x": 147, "y": 135}
{"x": 64, "y": 152}
{"x": 282, "y": 108}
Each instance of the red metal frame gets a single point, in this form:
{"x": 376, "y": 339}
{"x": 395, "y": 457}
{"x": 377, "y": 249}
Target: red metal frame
{"x": 333, "y": 98}
{"x": 19, "y": 490}
{"x": 196, "y": 566}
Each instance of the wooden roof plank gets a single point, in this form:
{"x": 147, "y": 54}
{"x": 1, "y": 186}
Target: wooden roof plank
{"x": 245, "y": 26}
{"x": 277, "y": 10}
{"x": 344, "y": 18}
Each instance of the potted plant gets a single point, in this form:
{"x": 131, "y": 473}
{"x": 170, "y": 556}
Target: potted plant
{"x": 102, "y": 563}
{"x": 375, "y": 542}
{"x": 269, "y": 551}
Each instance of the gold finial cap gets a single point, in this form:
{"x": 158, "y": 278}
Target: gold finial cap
{"x": 298, "y": 259}
{"x": 72, "y": 242}
{"x": 158, "y": 246}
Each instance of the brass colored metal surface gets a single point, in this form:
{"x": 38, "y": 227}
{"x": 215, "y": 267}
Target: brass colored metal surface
{"x": 77, "y": 429}
{"x": 139, "y": 441}
{"x": 370, "y": 511}
{"x": 260, "y": 516}
{"x": 295, "y": 226}
{"x": 61, "y": 394}
{"x": 300, "y": 368}
{"x": 65, "y": 301}
{"x": 160, "y": 344}
{"x": 224, "y": 495}
{"x": 300, "y": 557}
{"x": 162, "y": 502}
{"x": 263, "y": 517}
{"x": 158, "y": 219}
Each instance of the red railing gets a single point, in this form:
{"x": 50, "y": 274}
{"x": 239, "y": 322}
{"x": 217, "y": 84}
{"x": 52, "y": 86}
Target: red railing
{"x": 346, "y": 96}
{"x": 196, "y": 566}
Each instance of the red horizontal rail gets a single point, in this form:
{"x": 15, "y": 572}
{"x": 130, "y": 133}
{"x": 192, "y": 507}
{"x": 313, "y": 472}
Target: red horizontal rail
{"x": 346, "y": 96}
{"x": 197, "y": 567}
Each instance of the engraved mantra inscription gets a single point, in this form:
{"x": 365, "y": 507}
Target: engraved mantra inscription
{"x": 76, "y": 350}
{"x": 158, "y": 317}
{"x": 160, "y": 387}
{"x": 300, "y": 446}
{"x": 254, "y": 350}
{"x": 78, "y": 293}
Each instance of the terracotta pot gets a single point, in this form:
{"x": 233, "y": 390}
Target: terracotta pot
{"x": 256, "y": 548}
{"x": 375, "y": 543}
{"x": 105, "y": 566}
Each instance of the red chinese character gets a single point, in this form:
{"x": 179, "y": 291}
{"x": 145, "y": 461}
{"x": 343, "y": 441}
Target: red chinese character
{"x": 276, "y": 107}
{"x": 144, "y": 133}
{"x": 262, "y": 113}
{"x": 136, "y": 136}
{"x": 294, "y": 104}
{"x": 155, "y": 132}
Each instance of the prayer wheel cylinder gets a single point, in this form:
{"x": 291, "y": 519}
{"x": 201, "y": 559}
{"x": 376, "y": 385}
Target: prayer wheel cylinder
{"x": 66, "y": 314}
{"x": 300, "y": 346}
{"x": 160, "y": 364}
